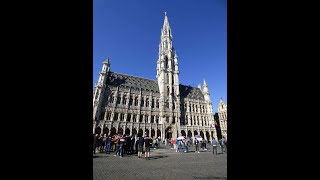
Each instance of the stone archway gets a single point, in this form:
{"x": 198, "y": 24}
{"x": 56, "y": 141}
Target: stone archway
{"x": 183, "y": 133}
{"x": 97, "y": 130}
{"x": 158, "y": 133}
{"x": 153, "y": 133}
{"x": 201, "y": 134}
{"x": 189, "y": 134}
{"x": 146, "y": 132}
{"x": 195, "y": 132}
{"x": 140, "y": 132}
{"x": 168, "y": 132}
{"x": 127, "y": 132}
{"x": 120, "y": 131}
{"x": 106, "y": 131}
{"x": 208, "y": 136}
{"x": 113, "y": 131}
{"x": 134, "y": 132}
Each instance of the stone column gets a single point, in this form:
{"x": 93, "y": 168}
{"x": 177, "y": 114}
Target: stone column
{"x": 138, "y": 117}
{"x": 125, "y": 117}
{"x": 204, "y": 135}
{"x": 112, "y": 115}
{"x": 210, "y": 139}
{"x": 192, "y": 131}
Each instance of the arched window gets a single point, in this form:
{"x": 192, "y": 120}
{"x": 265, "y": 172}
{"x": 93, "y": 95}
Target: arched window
{"x": 136, "y": 101}
{"x": 111, "y": 98}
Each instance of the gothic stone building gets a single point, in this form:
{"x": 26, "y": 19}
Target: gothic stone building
{"x": 126, "y": 104}
{"x": 222, "y": 112}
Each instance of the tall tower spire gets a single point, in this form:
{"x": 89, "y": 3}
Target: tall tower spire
{"x": 168, "y": 74}
{"x": 206, "y": 91}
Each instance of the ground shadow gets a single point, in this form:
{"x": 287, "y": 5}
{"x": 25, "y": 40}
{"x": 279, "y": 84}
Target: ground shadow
{"x": 157, "y": 157}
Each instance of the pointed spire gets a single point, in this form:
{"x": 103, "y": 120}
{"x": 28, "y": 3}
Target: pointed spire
{"x": 204, "y": 82}
{"x": 175, "y": 54}
{"x": 106, "y": 61}
{"x": 199, "y": 86}
{"x": 166, "y": 27}
{"x": 221, "y": 101}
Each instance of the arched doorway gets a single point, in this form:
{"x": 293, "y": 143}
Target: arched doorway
{"x": 208, "y": 135}
{"x": 127, "y": 132}
{"x": 195, "y": 132}
{"x": 134, "y": 132}
{"x": 183, "y": 133}
{"x": 140, "y": 132}
{"x": 189, "y": 134}
{"x": 113, "y": 131}
{"x": 152, "y": 133}
{"x": 168, "y": 133}
{"x": 201, "y": 134}
{"x": 158, "y": 133}
{"x": 120, "y": 131}
{"x": 106, "y": 131}
{"x": 97, "y": 130}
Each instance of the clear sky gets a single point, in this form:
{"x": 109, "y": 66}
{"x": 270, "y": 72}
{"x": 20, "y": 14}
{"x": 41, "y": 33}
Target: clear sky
{"x": 128, "y": 31}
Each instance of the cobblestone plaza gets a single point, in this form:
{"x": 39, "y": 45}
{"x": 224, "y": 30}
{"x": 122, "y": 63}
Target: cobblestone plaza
{"x": 164, "y": 163}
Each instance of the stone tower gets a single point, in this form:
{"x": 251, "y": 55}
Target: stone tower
{"x": 98, "y": 93}
{"x": 222, "y": 112}
{"x": 168, "y": 80}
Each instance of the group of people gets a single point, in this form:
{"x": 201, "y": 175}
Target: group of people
{"x": 186, "y": 142}
{"x": 222, "y": 143}
{"x": 180, "y": 144}
{"x": 124, "y": 144}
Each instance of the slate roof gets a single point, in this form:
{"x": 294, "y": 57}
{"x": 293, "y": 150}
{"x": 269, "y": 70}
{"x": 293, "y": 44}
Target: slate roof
{"x": 118, "y": 79}
{"x": 190, "y": 92}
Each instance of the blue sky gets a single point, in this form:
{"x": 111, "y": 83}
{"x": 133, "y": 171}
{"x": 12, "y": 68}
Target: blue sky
{"x": 128, "y": 31}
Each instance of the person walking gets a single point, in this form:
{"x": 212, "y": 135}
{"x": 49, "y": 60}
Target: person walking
{"x": 185, "y": 142}
{"x": 117, "y": 144}
{"x": 197, "y": 145}
{"x": 225, "y": 144}
{"x": 221, "y": 145}
{"x": 108, "y": 144}
{"x": 214, "y": 146}
{"x": 147, "y": 145}
{"x": 122, "y": 142}
{"x": 103, "y": 143}
{"x": 140, "y": 146}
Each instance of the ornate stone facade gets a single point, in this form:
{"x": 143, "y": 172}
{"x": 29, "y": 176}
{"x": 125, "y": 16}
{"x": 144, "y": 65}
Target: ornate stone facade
{"x": 162, "y": 107}
{"x": 222, "y": 112}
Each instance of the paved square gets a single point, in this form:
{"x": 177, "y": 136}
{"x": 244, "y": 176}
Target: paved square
{"x": 164, "y": 163}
